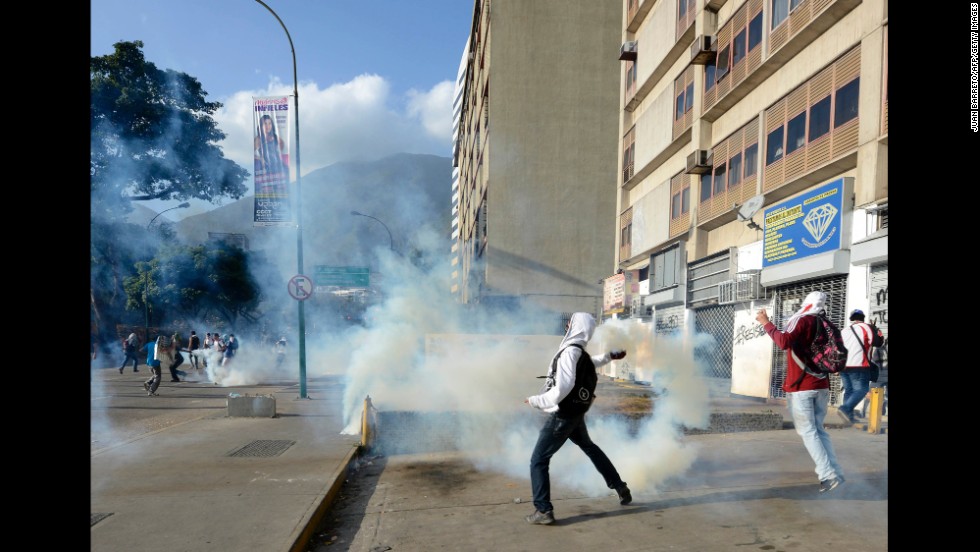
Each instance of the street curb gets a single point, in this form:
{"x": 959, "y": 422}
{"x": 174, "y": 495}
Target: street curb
{"x": 304, "y": 531}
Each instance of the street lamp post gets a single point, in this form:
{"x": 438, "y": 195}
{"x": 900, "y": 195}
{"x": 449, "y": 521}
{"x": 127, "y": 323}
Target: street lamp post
{"x": 146, "y": 277}
{"x": 391, "y": 242}
{"x": 299, "y": 213}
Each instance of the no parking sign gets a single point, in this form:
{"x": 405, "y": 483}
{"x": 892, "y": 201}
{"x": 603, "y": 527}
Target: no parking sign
{"x": 300, "y": 287}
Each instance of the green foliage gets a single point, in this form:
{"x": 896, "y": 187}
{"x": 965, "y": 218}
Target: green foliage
{"x": 208, "y": 283}
{"x": 153, "y": 136}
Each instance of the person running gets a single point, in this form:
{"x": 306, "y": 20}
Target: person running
{"x": 129, "y": 348}
{"x": 566, "y": 401}
{"x": 193, "y": 344}
{"x": 807, "y": 396}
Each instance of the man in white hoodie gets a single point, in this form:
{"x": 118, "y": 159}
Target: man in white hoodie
{"x": 566, "y": 398}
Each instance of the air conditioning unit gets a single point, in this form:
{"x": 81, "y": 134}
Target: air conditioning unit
{"x": 628, "y": 51}
{"x": 704, "y": 50}
{"x": 699, "y": 162}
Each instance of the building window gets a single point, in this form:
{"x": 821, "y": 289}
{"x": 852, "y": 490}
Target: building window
{"x": 680, "y": 202}
{"x": 681, "y": 9}
{"x": 625, "y": 235}
{"x": 719, "y": 186}
{"x": 738, "y": 47}
{"x": 819, "y": 119}
{"x": 630, "y": 79}
{"x": 629, "y": 150}
{"x": 722, "y": 63}
{"x": 735, "y": 170}
{"x": 664, "y": 269}
{"x": 774, "y": 146}
{"x": 709, "y": 76}
{"x": 684, "y": 101}
{"x": 846, "y": 102}
{"x": 751, "y": 158}
{"x": 705, "y": 186}
{"x": 780, "y": 10}
{"x": 755, "y": 31}
{"x": 796, "y": 133}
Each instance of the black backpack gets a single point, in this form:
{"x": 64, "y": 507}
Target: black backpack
{"x": 580, "y": 398}
{"x": 877, "y": 338}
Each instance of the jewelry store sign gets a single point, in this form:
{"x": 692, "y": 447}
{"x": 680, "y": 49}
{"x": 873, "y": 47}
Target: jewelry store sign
{"x": 805, "y": 225}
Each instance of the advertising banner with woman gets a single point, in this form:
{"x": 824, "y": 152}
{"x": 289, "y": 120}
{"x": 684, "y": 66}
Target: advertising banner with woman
{"x": 270, "y": 116}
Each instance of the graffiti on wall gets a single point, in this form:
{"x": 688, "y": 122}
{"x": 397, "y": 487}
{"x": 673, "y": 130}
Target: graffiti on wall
{"x": 744, "y": 333}
{"x": 879, "y": 306}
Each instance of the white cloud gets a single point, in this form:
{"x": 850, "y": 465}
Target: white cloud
{"x": 345, "y": 122}
{"x": 435, "y": 109}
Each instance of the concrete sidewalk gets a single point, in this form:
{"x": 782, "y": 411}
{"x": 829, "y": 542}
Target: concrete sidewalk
{"x": 190, "y": 478}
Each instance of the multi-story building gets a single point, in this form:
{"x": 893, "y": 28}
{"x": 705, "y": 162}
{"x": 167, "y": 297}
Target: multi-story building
{"x": 537, "y": 154}
{"x": 455, "y": 278}
{"x": 753, "y": 169}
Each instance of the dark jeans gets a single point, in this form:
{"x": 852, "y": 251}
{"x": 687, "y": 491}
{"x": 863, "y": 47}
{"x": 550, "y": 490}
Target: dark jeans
{"x": 553, "y": 435}
{"x": 136, "y": 361}
{"x": 173, "y": 367}
{"x": 856, "y": 383}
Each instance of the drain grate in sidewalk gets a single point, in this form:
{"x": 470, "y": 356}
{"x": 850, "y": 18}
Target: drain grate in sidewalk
{"x": 99, "y": 517}
{"x": 263, "y": 449}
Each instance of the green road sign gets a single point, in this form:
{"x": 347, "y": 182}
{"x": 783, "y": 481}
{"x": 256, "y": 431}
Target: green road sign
{"x": 342, "y": 276}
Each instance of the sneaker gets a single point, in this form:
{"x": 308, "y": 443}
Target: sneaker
{"x": 830, "y": 484}
{"x": 135, "y": 369}
{"x": 120, "y": 370}
{"x": 540, "y": 518}
{"x": 843, "y": 416}
{"x": 175, "y": 380}
{"x": 624, "y": 495}
{"x": 146, "y": 387}
{"x": 152, "y": 394}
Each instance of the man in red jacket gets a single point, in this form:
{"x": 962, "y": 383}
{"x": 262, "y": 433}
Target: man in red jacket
{"x": 808, "y": 401}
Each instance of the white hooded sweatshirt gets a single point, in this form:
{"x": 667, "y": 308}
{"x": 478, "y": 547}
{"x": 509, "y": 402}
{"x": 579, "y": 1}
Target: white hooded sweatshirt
{"x": 557, "y": 387}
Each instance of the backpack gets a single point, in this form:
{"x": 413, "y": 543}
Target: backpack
{"x": 877, "y": 338}
{"x": 582, "y": 394}
{"x": 827, "y": 353}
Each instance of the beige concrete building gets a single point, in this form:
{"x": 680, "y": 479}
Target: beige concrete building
{"x": 536, "y": 154}
{"x": 753, "y": 170}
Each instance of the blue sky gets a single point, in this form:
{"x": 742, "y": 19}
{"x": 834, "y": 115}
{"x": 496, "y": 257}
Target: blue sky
{"x": 375, "y": 77}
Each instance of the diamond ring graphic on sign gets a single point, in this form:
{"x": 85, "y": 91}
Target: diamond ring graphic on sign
{"x": 300, "y": 287}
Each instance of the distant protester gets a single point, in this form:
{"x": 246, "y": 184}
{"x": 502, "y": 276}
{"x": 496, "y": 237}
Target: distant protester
{"x": 129, "y": 349}
{"x": 156, "y": 365}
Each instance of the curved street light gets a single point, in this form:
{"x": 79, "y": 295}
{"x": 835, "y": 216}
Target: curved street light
{"x": 146, "y": 277}
{"x": 298, "y": 211}
{"x": 391, "y": 242}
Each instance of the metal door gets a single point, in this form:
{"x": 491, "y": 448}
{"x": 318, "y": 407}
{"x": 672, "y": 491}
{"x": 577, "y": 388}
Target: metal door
{"x": 719, "y": 322}
{"x": 787, "y": 301}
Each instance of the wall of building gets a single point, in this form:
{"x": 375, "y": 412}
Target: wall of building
{"x": 554, "y": 100}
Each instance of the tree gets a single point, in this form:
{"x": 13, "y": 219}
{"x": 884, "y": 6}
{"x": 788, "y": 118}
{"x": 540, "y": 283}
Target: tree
{"x": 199, "y": 283}
{"x": 153, "y": 136}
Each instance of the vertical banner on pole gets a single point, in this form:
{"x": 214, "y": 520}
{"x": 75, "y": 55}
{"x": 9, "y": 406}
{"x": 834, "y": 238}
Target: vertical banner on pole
{"x": 270, "y": 122}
